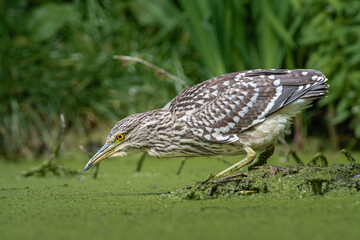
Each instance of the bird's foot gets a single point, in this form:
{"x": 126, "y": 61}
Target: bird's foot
{"x": 251, "y": 154}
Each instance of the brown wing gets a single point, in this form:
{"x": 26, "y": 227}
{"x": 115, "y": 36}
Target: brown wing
{"x": 221, "y": 107}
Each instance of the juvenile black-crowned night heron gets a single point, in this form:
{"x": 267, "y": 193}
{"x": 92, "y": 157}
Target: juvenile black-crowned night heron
{"x": 235, "y": 113}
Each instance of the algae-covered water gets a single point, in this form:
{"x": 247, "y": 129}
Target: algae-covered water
{"x": 121, "y": 204}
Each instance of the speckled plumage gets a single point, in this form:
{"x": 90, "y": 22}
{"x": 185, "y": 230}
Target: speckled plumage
{"x": 221, "y": 116}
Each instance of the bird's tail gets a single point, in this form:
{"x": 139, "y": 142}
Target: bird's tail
{"x": 317, "y": 90}
{"x": 299, "y": 84}
{"x": 305, "y": 83}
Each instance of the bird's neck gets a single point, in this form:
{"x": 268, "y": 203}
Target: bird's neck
{"x": 163, "y": 132}
{"x": 170, "y": 137}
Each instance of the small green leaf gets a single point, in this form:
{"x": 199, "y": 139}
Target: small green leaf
{"x": 48, "y": 19}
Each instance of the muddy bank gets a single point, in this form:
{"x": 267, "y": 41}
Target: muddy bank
{"x": 291, "y": 181}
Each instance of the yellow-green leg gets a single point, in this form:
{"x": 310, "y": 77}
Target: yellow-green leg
{"x": 250, "y": 156}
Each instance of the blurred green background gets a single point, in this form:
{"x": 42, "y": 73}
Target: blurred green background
{"x": 56, "y": 57}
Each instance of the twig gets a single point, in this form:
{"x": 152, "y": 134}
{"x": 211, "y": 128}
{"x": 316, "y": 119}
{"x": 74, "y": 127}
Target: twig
{"x": 60, "y": 137}
{"x": 210, "y": 177}
{"x": 97, "y": 166}
{"x": 348, "y": 156}
{"x": 222, "y": 159}
{"x": 230, "y": 178}
{"x": 96, "y": 172}
{"x": 295, "y": 156}
{"x": 84, "y": 150}
{"x": 319, "y": 157}
{"x": 181, "y": 166}
{"x": 153, "y": 66}
{"x": 140, "y": 163}
{"x": 50, "y": 164}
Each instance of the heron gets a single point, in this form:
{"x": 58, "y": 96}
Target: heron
{"x": 236, "y": 113}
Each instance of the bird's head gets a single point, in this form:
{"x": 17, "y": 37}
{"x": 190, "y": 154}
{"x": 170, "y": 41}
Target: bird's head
{"x": 131, "y": 134}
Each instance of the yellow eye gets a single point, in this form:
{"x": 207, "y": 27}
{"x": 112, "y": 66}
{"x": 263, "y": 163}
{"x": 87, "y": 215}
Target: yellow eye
{"x": 120, "y": 137}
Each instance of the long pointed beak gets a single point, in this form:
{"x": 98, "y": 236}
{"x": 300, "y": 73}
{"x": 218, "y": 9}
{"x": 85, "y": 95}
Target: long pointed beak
{"x": 102, "y": 154}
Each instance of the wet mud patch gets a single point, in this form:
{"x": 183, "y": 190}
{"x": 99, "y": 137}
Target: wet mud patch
{"x": 289, "y": 182}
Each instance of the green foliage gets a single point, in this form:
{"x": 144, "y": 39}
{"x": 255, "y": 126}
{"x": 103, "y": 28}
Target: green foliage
{"x": 332, "y": 38}
{"x": 50, "y": 18}
{"x": 232, "y": 35}
{"x": 61, "y": 61}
